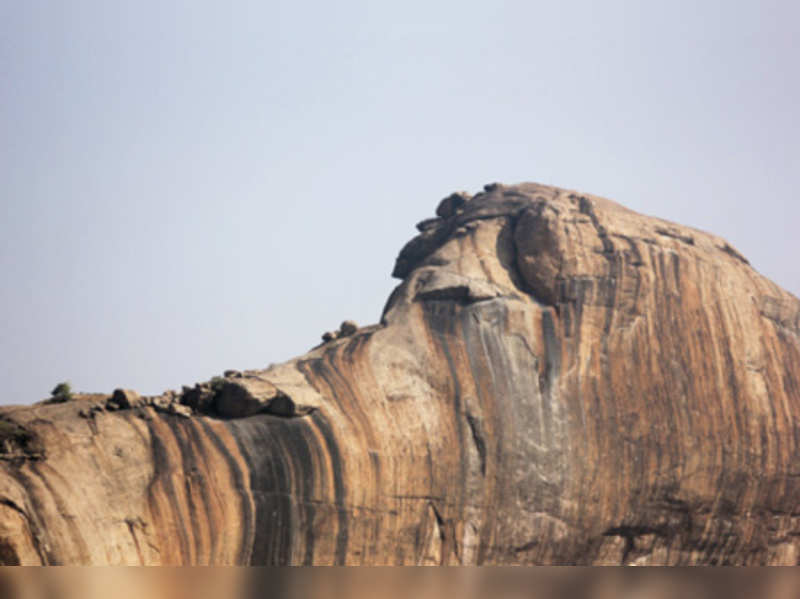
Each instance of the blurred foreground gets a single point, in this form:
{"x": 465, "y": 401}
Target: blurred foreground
{"x": 389, "y": 583}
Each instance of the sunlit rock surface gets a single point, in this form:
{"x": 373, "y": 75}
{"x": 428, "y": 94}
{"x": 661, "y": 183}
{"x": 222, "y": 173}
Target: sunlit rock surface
{"x": 556, "y": 380}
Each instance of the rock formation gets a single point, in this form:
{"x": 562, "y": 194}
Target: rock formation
{"x": 556, "y": 380}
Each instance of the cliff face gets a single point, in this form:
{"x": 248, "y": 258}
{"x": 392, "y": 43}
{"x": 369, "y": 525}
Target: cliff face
{"x": 557, "y": 379}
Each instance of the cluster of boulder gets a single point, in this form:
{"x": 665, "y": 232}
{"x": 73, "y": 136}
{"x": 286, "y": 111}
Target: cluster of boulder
{"x": 346, "y": 329}
{"x": 127, "y": 399}
{"x": 234, "y": 395}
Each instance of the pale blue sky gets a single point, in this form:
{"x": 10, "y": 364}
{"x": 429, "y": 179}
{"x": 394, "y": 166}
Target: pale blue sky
{"x": 192, "y": 186}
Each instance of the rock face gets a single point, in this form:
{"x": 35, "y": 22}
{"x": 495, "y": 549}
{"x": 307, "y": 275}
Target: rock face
{"x": 556, "y": 380}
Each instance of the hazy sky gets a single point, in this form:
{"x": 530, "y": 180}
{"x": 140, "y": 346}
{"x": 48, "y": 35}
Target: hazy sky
{"x": 193, "y": 186}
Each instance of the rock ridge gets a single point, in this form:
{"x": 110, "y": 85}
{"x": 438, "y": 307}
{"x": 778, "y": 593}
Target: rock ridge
{"x": 556, "y": 379}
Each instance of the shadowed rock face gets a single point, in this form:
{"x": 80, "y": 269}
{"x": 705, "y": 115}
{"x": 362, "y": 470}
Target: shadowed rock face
{"x": 557, "y": 380}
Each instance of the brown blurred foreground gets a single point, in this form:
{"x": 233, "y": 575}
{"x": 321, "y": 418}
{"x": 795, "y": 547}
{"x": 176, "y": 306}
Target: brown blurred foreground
{"x": 390, "y": 583}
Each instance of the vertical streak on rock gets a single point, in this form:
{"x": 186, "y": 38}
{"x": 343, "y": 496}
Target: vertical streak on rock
{"x": 552, "y": 353}
{"x": 198, "y": 484}
{"x": 303, "y": 474}
{"x": 26, "y": 539}
{"x": 166, "y": 500}
{"x": 240, "y": 487}
{"x": 337, "y": 465}
{"x": 333, "y": 376}
{"x": 440, "y": 320}
{"x": 48, "y": 476}
{"x": 194, "y": 492}
{"x": 487, "y": 420}
{"x": 43, "y": 540}
{"x": 270, "y": 485}
{"x": 212, "y": 476}
{"x": 290, "y": 463}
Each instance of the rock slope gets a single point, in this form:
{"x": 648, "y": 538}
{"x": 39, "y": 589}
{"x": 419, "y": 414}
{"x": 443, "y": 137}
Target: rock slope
{"x": 556, "y": 380}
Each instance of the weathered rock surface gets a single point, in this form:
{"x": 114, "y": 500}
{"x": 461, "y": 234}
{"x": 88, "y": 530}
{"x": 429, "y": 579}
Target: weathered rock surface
{"x": 557, "y": 379}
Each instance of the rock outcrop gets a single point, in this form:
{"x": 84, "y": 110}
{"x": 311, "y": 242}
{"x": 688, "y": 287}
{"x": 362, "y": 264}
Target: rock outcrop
{"x": 556, "y": 380}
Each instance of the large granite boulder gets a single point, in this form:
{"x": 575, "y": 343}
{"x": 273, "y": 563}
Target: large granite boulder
{"x": 556, "y": 380}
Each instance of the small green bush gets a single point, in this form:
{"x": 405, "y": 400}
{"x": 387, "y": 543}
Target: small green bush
{"x": 61, "y": 392}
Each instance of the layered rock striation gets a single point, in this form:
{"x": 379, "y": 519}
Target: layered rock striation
{"x": 556, "y": 380}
